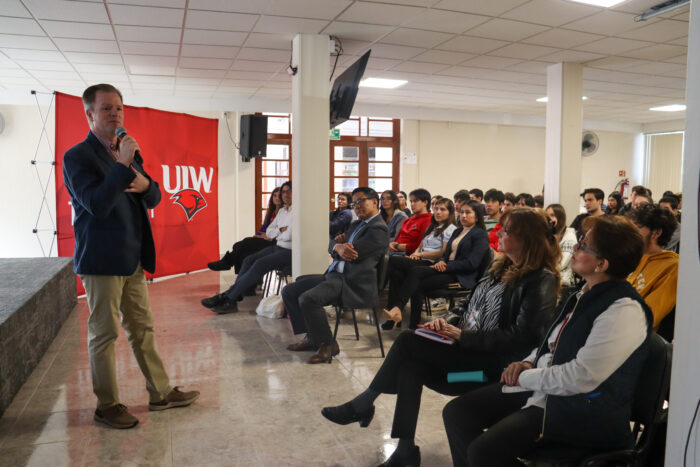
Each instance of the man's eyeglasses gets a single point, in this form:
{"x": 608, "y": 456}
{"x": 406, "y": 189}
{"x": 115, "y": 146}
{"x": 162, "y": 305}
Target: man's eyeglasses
{"x": 582, "y": 247}
{"x": 358, "y": 201}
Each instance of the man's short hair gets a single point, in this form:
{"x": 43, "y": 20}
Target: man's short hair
{"x": 477, "y": 193}
{"x": 655, "y": 217}
{"x": 597, "y": 192}
{"x": 367, "y": 191}
{"x": 510, "y": 197}
{"x": 671, "y": 200}
{"x": 639, "y": 190}
{"x": 90, "y": 93}
{"x": 421, "y": 194}
{"x": 494, "y": 195}
{"x": 461, "y": 196}
{"x": 527, "y": 198}
{"x": 539, "y": 201}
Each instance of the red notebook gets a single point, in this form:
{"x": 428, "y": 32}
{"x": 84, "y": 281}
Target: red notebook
{"x": 433, "y": 335}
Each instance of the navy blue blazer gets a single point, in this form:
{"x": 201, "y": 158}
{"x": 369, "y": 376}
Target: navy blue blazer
{"x": 112, "y": 230}
{"x": 472, "y": 256}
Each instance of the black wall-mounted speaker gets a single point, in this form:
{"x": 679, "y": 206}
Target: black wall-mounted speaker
{"x": 253, "y": 136}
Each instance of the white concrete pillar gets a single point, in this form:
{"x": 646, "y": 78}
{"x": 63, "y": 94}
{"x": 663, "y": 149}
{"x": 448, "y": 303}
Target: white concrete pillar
{"x": 562, "y": 173}
{"x": 310, "y": 153}
{"x": 685, "y": 377}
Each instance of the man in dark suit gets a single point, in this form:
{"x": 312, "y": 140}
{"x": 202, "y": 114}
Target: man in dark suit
{"x": 111, "y": 193}
{"x": 351, "y": 280}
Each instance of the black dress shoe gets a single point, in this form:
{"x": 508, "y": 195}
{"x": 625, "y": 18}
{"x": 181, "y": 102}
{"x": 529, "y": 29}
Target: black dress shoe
{"x": 226, "y": 307}
{"x": 413, "y": 460}
{"x": 345, "y": 414}
{"x": 224, "y": 264}
{"x": 215, "y": 300}
{"x": 388, "y": 325}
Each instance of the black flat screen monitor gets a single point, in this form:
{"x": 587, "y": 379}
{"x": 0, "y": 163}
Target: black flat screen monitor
{"x": 345, "y": 89}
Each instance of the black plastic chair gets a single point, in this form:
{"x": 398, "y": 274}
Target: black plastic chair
{"x": 667, "y": 325}
{"x": 648, "y": 416}
{"x": 381, "y": 267}
{"x": 280, "y": 275}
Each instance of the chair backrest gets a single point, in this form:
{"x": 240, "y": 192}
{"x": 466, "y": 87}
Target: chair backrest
{"x": 666, "y": 326}
{"x": 651, "y": 391}
{"x": 382, "y": 267}
{"x": 485, "y": 263}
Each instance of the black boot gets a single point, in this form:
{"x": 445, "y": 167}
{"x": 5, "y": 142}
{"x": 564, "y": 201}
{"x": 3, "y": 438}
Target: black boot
{"x": 224, "y": 264}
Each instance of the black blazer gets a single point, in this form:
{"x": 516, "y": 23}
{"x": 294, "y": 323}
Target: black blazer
{"x": 360, "y": 276}
{"x": 472, "y": 256}
{"x": 112, "y": 230}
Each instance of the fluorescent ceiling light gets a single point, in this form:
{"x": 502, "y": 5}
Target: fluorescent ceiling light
{"x": 382, "y": 83}
{"x": 546, "y": 99}
{"x": 669, "y": 108}
{"x": 603, "y": 3}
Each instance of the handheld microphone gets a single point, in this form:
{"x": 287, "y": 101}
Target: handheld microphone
{"x": 120, "y": 131}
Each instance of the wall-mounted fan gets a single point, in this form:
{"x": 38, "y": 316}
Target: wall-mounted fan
{"x": 589, "y": 144}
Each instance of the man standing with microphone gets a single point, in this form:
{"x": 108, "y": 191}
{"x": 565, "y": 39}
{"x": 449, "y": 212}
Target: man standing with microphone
{"x": 111, "y": 193}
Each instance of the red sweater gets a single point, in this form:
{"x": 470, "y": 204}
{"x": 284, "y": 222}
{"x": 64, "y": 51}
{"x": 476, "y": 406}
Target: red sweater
{"x": 493, "y": 236}
{"x": 412, "y": 231}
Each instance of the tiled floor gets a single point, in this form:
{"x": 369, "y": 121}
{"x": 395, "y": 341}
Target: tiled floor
{"x": 260, "y": 404}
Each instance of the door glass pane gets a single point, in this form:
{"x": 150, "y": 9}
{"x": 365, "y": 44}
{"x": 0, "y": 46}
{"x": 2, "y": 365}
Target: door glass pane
{"x": 277, "y": 151}
{"x": 265, "y": 200}
{"x": 345, "y": 184}
{"x": 381, "y": 154}
{"x": 275, "y": 168}
{"x": 270, "y": 183}
{"x": 381, "y": 169}
{"x": 349, "y": 128}
{"x": 346, "y": 169}
{"x": 346, "y": 153}
{"x": 278, "y": 124}
{"x": 381, "y": 128}
{"x": 380, "y": 184}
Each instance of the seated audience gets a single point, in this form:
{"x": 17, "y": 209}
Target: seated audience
{"x": 614, "y": 203}
{"x": 593, "y": 202}
{"x": 637, "y": 190}
{"x": 657, "y": 273}
{"x": 539, "y": 201}
{"x": 671, "y": 203}
{"x": 351, "y": 280}
{"x": 463, "y": 261}
{"x": 430, "y": 250}
{"x": 582, "y": 394}
{"x": 249, "y": 245}
{"x": 566, "y": 236}
{"x": 340, "y": 217}
{"x": 391, "y": 213}
{"x": 413, "y": 228}
{"x": 525, "y": 199}
{"x": 459, "y": 198}
{"x": 433, "y": 200}
{"x": 478, "y": 196}
{"x": 402, "y": 203}
{"x": 641, "y": 200}
{"x": 255, "y": 266}
{"x": 509, "y": 202}
{"x": 494, "y": 202}
{"x": 506, "y": 316}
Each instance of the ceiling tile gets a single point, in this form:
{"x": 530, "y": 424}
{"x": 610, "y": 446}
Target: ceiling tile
{"x": 464, "y": 72}
{"x": 240, "y": 6}
{"x": 12, "y": 72}
{"x": 200, "y": 73}
{"x": 14, "y": 8}
{"x": 615, "y": 63}
{"x": 202, "y": 37}
{"x": 357, "y": 31}
{"x": 151, "y": 70}
{"x": 148, "y": 34}
{"x": 523, "y": 51}
{"x": 208, "y": 51}
{"x": 660, "y": 31}
{"x": 269, "y": 41}
{"x": 680, "y": 41}
{"x": 68, "y": 11}
{"x": 399, "y": 52}
{"x": 24, "y": 26}
{"x": 508, "y": 30}
{"x": 550, "y": 12}
{"x": 98, "y": 68}
{"x": 264, "y": 55}
{"x": 530, "y": 66}
{"x": 149, "y": 48}
{"x": 164, "y": 3}
{"x": 657, "y": 52}
{"x": 443, "y": 56}
{"x": 378, "y": 63}
{"x": 79, "y": 45}
{"x": 418, "y": 67}
{"x": 316, "y": 9}
{"x": 474, "y": 45}
{"x": 570, "y": 56}
{"x": 26, "y": 42}
{"x": 282, "y": 25}
{"x": 31, "y": 54}
{"x": 613, "y": 46}
{"x": 606, "y": 22}
{"x": 380, "y": 13}
{"x": 252, "y": 65}
{"x": 36, "y": 65}
{"x": 656, "y": 68}
{"x": 490, "y": 8}
{"x": 487, "y": 61}
{"x": 353, "y": 47}
{"x": 416, "y": 38}
{"x": 445, "y": 21}
{"x": 562, "y": 38}
{"x": 146, "y": 16}
{"x": 90, "y": 57}
{"x": 683, "y": 58}
{"x": 209, "y": 63}
{"x": 219, "y": 20}
{"x": 248, "y": 75}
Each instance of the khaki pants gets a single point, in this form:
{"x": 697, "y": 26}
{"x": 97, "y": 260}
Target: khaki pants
{"x": 107, "y": 296}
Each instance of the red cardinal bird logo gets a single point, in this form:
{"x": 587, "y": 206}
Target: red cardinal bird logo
{"x": 190, "y": 200}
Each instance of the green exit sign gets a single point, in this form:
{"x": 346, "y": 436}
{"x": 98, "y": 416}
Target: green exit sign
{"x": 334, "y": 134}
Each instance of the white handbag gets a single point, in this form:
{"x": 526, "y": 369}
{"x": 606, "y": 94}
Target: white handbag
{"x": 271, "y": 307}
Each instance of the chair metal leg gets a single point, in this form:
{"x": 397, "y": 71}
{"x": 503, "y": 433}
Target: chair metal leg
{"x": 266, "y": 284}
{"x": 337, "y": 321}
{"x": 354, "y": 321}
{"x": 279, "y": 282}
{"x": 379, "y": 332}
{"x": 428, "y": 310}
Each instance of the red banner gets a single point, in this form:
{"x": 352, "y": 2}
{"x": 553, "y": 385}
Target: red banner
{"x": 180, "y": 152}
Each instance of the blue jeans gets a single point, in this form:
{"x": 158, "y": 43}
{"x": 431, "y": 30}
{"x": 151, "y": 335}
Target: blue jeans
{"x": 255, "y": 266}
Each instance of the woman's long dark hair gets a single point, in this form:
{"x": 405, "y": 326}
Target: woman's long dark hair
{"x": 440, "y": 228}
{"x": 560, "y": 214}
{"x": 394, "y": 202}
{"x": 271, "y": 207}
{"x": 617, "y": 196}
